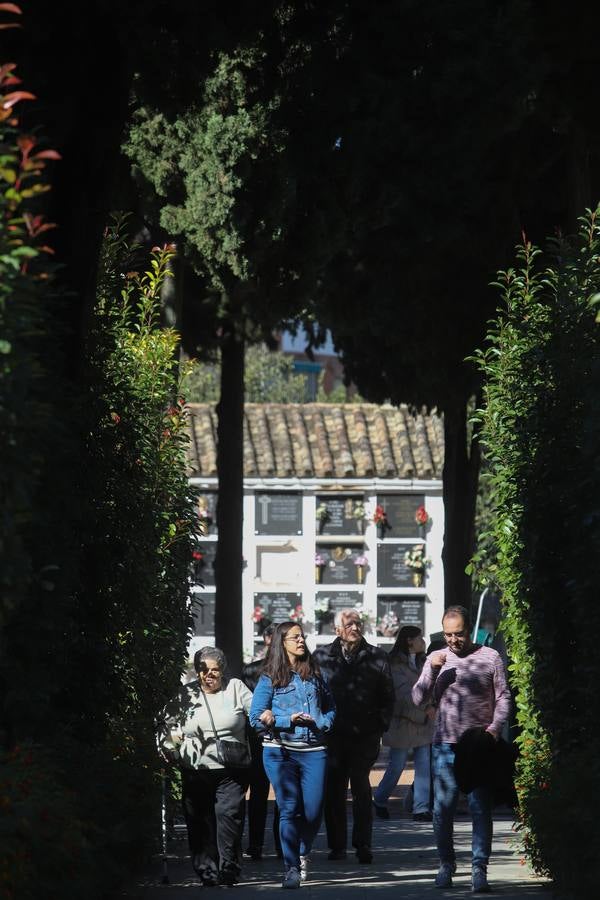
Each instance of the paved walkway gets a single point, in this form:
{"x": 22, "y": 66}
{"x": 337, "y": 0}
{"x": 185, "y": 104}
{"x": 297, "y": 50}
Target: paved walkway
{"x": 404, "y": 865}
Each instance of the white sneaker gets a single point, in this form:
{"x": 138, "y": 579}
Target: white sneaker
{"x": 304, "y": 865}
{"x": 291, "y": 879}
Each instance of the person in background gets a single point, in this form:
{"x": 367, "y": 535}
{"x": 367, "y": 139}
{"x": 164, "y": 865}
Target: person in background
{"x": 213, "y": 796}
{"x": 294, "y": 709}
{"x": 359, "y": 677}
{"x": 468, "y": 684}
{"x": 411, "y": 728}
{"x": 259, "y": 783}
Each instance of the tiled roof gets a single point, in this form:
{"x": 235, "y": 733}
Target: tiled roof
{"x": 322, "y": 440}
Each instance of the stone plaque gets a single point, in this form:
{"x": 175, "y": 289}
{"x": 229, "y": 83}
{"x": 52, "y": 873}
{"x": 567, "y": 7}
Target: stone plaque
{"x": 203, "y": 612}
{"x": 340, "y": 514}
{"x": 338, "y": 565}
{"x": 204, "y": 562}
{"x": 392, "y": 570}
{"x": 207, "y": 511}
{"x": 327, "y": 604}
{"x": 394, "y": 612}
{"x": 400, "y": 510}
{"x": 278, "y": 513}
{"x": 275, "y": 608}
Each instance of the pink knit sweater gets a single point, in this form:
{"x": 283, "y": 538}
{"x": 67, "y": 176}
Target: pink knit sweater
{"x": 468, "y": 690}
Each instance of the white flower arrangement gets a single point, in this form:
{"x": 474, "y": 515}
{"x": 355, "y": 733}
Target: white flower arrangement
{"x": 415, "y": 558}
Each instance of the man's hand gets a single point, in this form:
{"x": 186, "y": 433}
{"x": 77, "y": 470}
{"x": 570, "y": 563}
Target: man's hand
{"x": 437, "y": 659}
{"x": 492, "y": 731}
{"x": 267, "y": 718}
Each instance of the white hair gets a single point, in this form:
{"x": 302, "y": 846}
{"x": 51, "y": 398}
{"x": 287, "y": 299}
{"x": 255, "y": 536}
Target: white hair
{"x": 341, "y": 614}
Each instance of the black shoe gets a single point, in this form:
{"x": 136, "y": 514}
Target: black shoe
{"x": 382, "y": 812}
{"x": 208, "y": 875}
{"x": 364, "y": 854}
{"x": 228, "y": 877}
{"x": 337, "y": 854}
{"x": 253, "y": 852}
{"x": 423, "y": 817}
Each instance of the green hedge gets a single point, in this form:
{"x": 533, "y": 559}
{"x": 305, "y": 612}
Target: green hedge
{"x": 96, "y": 532}
{"x": 541, "y": 430}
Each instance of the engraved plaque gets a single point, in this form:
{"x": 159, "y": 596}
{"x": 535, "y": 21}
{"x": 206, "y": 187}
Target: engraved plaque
{"x": 339, "y": 567}
{"x": 395, "y": 612}
{"x": 279, "y": 512}
{"x": 340, "y": 514}
{"x": 204, "y": 562}
{"x": 400, "y": 510}
{"x": 277, "y": 607}
{"x": 207, "y": 511}
{"x": 203, "y": 613}
{"x": 327, "y": 604}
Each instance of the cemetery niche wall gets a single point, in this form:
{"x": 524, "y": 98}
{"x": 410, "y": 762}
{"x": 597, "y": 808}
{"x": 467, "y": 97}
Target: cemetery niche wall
{"x": 342, "y": 509}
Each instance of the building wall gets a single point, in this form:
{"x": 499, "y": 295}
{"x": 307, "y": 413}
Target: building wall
{"x": 279, "y": 571}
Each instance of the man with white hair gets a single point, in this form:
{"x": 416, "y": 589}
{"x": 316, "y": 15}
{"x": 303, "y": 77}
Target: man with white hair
{"x": 360, "y": 680}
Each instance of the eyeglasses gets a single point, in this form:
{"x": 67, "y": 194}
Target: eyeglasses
{"x": 295, "y": 637}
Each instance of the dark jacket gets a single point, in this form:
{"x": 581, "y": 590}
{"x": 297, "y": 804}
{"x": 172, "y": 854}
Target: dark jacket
{"x": 362, "y": 688}
{"x": 480, "y": 761}
{"x": 252, "y": 672}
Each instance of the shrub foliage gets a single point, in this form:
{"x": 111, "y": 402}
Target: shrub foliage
{"x": 541, "y": 430}
{"x": 96, "y": 533}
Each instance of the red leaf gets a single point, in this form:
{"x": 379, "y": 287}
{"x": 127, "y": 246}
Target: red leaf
{"x": 11, "y": 7}
{"x": 6, "y": 68}
{"x": 47, "y": 154}
{"x": 11, "y": 25}
{"x": 9, "y": 100}
{"x": 25, "y": 143}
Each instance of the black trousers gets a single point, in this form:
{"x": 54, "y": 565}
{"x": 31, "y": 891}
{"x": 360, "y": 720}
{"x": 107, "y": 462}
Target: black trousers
{"x": 213, "y": 805}
{"x": 350, "y": 759}
{"x": 258, "y": 801}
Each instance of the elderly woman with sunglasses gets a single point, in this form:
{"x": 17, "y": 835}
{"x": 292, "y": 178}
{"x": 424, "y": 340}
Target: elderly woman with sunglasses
{"x": 207, "y": 710}
{"x": 294, "y": 708}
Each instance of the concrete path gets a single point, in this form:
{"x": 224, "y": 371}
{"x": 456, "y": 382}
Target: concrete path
{"x": 403, "y": 868}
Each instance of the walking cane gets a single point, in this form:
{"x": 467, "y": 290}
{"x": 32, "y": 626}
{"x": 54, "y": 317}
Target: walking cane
{"x": 163, "y": 814}
{"x": 163, "y": 824}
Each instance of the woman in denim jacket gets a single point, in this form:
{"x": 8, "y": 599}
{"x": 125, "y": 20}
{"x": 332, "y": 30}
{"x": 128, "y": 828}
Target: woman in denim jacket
{"x": 294, "y": 708}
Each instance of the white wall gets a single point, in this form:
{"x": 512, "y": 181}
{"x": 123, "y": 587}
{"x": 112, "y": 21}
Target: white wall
{"x": 286, "y": 563}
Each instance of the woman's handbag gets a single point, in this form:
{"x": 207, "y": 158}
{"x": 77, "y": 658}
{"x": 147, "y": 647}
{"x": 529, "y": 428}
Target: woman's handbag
{"x": 231, "y": 754}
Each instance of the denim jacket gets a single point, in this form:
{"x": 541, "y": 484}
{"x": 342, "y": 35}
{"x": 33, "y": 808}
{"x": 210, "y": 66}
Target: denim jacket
{"x": 312, "y": 697}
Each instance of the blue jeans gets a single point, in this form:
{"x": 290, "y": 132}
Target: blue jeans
{"x": 298, "y": 779}
{"x": 445, "y": 799}
{"x": 395, "y": 768}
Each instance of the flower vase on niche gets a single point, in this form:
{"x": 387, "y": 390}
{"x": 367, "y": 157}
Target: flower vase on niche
{"x": 418, "y": 578}
{"x": 380, "y": 519}
{"x": 319, "y": 565}
{"x": 360, "y": 574}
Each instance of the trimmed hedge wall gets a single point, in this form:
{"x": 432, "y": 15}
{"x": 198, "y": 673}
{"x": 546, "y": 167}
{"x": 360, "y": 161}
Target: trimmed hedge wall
{"x": 541, "y": 432}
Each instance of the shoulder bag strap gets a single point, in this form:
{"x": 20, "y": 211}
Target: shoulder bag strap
{"x": 212, "y": 721}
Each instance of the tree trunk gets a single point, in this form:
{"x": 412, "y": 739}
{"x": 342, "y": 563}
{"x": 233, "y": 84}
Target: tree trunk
{"x": 230, "y": 469}
{"x": 461, "y": 473}
{"x": 580, "y": 193}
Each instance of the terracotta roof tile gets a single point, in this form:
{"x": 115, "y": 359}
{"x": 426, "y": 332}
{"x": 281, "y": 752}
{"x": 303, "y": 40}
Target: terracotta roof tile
{"x": 322, "y": 440}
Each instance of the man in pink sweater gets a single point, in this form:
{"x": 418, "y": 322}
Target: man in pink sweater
{"x": 467, "y": 682}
